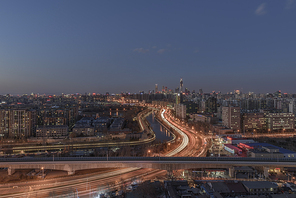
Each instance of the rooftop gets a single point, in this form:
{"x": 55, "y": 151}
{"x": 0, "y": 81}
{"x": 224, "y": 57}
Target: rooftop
{"x": 259, "y": 184}
{"x": 281, "y": 150}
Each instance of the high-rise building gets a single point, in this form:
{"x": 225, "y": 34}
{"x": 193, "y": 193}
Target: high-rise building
{"x": 4, "y": 122}
{"x": 191, "y": 107}
{"x": 211, "y": 105}
{"x": 231, "y": 117}
{"x": 156, "y": 88}
{"x": 18, "y": 123}
{"x": 292, "y": 106}
{"x": 57, "y": 116}
{"x": 180, "y": 111}
{"x": 178, "y": 98}
{"x": 202, "y": 105}
{"x": 200, "y": 91}
{"x": 278, "y": 94}
{"x": 181, "y": 85}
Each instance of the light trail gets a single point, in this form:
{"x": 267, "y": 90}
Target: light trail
{"x": 82, "y": 146}
{"x": 44, "y": 189}
{"x": 185, "y": 139}
{"x": 193, "y": 140}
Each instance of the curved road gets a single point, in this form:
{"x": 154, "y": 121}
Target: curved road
{"x": 193, "y": 143}
{"x": 185, "y": 139}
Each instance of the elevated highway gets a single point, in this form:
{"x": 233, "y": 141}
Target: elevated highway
{"x": 72, "y": 164}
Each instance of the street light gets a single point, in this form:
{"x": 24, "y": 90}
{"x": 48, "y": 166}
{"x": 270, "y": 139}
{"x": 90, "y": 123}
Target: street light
{"x": 42, "y": 168}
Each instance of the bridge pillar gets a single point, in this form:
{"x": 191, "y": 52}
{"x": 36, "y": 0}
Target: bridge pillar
{"x": 69, "y": 169}
{"x": 266, "y": 173}
{"x": 10, "y": 171}
{"x": 71, "y": 172}
{"x": 231, "y": 172}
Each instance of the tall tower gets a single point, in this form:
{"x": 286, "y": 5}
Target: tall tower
{"x": 181, "y": 85}
{"x": 156, "y": 88}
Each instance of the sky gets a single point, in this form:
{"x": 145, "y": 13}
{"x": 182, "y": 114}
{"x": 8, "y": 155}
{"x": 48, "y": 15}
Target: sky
{"x": 70, "y": 46}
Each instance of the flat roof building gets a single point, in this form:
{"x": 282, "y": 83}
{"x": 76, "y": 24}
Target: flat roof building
{"x": 280, "y": 121}
{"x": 260, "y": 187}
{"x": 267, "y": 150}
{"x": 52, "y": 131}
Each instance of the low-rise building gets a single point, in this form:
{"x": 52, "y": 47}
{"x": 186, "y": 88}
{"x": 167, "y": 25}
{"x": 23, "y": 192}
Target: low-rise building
{"x": 101, "y": 123}
{"x": 117, "y": 124}
{"x": 84, "y": 131}
{"x": 232, "y": 149}
{"x": 201, "y": 118}
{"x": 280, "y": 121}
{"x": 84, "y": 122}
{"x": 52, "y": 131}
{"x": 260, "y": 187}
{"x": 266, "y": 150}
{"x": 234, "y": 140}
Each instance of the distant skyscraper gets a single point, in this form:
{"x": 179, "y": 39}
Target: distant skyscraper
{"x": 278, "y": 94}
{"x": 156, "y": 88}
{"x": 200, "y": 91}
{"x": 181, "y": 85}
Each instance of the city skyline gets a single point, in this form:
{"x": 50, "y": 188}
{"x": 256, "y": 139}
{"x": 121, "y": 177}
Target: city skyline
{"x": 60, "y": 47}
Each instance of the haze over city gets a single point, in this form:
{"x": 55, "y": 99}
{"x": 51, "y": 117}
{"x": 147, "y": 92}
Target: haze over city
{"x": 56, "y": 47}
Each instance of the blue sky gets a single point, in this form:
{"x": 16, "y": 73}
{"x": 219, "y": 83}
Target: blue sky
{"x": 98, "y": 46}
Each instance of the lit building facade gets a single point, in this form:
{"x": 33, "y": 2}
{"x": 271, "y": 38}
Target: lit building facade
{"x": 231, "y": 118}
{"x": 280, "y": 121}
{"x": 59, "y": 131}
{"x": 85, "y": 131}
{"x": 251, "y": 121}
{"x": 180, "y": 111}
{"x": 17, "y": 123}
{"x": 211, "y": 105}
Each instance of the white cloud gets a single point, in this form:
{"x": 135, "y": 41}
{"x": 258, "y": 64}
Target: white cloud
{"x": 261, "y": 9}
{"x": 141, "y": 50}
{"x": 195, "y": 51}
{"x": 154, "y": 47}
{"x": 160, "y": 51}
{"x": 289, "y": 4}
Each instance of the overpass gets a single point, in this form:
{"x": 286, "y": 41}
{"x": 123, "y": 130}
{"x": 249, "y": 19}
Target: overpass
{"x": 72, "y": 164}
